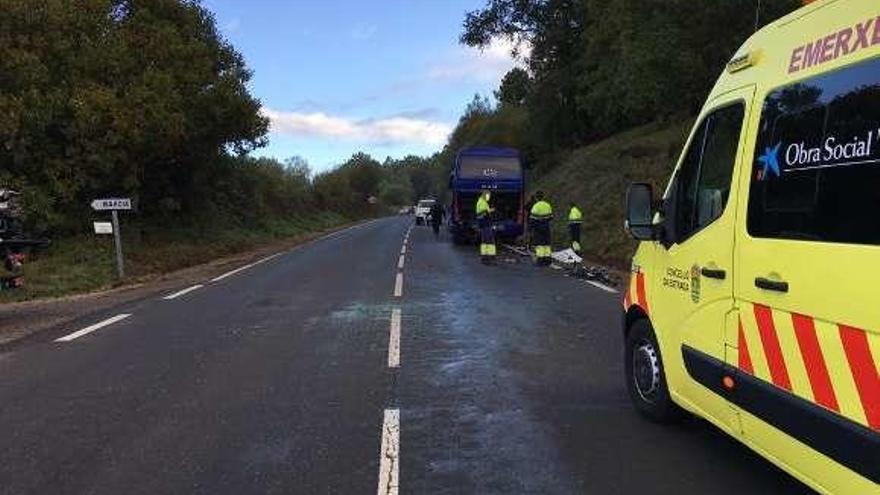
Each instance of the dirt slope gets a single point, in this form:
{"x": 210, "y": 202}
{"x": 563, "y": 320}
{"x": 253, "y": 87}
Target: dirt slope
{"x": 596, "y": 178}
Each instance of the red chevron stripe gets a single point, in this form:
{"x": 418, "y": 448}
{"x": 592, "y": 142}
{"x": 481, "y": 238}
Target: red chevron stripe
{"x": 814, "y": 361}
{"x": 772, "y": 349}
{"x": 864, "y": 371}
{"x": 745, "y": 359}
{"x": 640, "y": 291}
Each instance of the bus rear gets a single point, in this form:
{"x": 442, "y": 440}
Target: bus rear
{"x": 494, "y": 169}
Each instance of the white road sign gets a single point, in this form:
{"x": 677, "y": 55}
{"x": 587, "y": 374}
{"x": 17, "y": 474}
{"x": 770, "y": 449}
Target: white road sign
{"x": 111, "y": 204}
{"x": 103, "y": 227}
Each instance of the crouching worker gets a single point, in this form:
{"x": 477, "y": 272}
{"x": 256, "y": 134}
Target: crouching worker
{"x": 539, "y": 219}
{"x": 487, "y": 231}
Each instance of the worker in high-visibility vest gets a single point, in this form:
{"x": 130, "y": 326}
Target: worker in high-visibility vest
{"x": 487, "y": 230}
{"x": 539, "y": 221}
{"x": 575, "y": 219}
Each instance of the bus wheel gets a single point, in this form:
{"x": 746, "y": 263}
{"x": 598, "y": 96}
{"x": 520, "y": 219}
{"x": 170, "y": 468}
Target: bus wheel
{"x": 645, "y": 376}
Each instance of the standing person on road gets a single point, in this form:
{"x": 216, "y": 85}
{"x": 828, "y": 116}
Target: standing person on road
{"x": 438, "y": 213}
{"x": 575, "y": 219}
{"x": 539, "y": 219}
{"x": 487, "y": 231}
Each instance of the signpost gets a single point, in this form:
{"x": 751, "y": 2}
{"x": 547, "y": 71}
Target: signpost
{"x": 103, "y": 227}
{"x": 113, "y": 205}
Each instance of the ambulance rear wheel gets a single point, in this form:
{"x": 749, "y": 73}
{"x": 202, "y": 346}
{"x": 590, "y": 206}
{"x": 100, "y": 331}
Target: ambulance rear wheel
{"x": 645, "y": 376}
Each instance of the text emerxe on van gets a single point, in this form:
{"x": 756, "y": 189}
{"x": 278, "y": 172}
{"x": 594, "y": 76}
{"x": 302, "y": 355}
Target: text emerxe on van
{"x": 827, "y": 48}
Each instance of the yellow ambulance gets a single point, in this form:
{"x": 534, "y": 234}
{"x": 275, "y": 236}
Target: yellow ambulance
{"x": 754, "y": 297}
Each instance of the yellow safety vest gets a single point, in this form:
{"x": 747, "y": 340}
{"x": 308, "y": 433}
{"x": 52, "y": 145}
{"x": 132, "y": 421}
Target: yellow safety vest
{"x": 575, "y": 215}
{"x": 541, "y": 211}
{"x": 483, "y": 207}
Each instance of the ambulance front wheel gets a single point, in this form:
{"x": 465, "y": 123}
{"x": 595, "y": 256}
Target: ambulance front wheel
{"x": 645, "y": 376}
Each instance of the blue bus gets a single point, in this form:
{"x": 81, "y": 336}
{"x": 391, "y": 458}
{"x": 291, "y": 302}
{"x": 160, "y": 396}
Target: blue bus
{"x": 497, "y": 169}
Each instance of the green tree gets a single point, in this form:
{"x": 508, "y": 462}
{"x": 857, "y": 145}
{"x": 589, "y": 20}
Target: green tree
{"x": 133, "y": 97}
{"x": 396, "y": 188}
{"x": 599, "y": 66}
{"x": 514, "y": 88}
{"x": 364, "y": 174}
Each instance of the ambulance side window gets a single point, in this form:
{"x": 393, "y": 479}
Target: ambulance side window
{"x": 817, "y": 161}
{"x": 705, "y": 174}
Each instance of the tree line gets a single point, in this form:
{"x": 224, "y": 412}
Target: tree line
{"x": 146, "y": 99}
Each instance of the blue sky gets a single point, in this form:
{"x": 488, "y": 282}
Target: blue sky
{"x": 337, "y": 76}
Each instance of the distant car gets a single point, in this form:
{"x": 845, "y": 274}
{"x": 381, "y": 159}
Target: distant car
{"x": 423, "y": 210}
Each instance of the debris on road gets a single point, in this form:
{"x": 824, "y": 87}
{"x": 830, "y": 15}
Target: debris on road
{"x": 567, "y": 257}
{"x": 574, "y": 266}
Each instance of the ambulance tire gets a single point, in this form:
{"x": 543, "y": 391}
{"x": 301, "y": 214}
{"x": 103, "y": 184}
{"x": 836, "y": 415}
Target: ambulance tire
{"x": 646, "y": 377}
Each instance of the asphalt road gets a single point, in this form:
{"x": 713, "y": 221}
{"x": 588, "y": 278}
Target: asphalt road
{"x": 276, "y": 379}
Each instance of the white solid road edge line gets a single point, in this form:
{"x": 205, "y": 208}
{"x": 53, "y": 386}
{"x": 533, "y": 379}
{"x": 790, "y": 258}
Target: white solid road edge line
{"x": 347, "y": 229}
{"x": 271, "y": 256}
{"x": 403, "y": 249}
{"x": 92, "y": 328}
{"x": 602, "y": 286}
{"x": 182, "y": 292}
{"x": 267, "y": 258}
{"x": 394, "y": 340}
{"x": 398, "y": 285}
{"x": 389, "y": 455}
{"x": 400, "y": 262}
{"x": 245, "y": 267}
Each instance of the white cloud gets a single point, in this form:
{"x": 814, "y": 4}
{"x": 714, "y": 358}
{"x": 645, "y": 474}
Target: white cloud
{"x": 486, "y": 65}
{"x": 399, "y": 130}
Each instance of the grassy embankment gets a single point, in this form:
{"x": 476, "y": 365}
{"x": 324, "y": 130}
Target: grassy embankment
{"x": 596, "y": 178}
{"x": 87, "y": 263}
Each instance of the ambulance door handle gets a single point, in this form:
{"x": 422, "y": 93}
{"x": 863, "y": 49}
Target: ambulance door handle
{"x": 713, "y": 273}
{"x": 774, "y": 285}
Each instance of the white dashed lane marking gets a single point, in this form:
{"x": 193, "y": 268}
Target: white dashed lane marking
{"x": 394, "y": 340}
{"x": 233, "y": 272}
{"x": 182, "y": 292}
{"x": 389, "y": 455}
{"x": 398, "y": 285}
{"x": 89, "y": 329}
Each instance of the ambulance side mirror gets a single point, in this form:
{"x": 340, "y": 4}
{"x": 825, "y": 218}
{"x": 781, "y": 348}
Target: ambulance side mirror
{"x": 640, "y": 211}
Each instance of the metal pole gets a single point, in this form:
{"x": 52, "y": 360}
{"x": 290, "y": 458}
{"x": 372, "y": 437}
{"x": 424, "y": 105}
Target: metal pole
{"x": 120, "y": 266}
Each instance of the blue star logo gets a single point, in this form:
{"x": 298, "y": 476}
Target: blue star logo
{"x": 770, "y": 159}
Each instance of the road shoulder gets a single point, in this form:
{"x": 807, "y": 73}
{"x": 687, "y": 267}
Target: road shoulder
{"x": 20, "y": 320}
